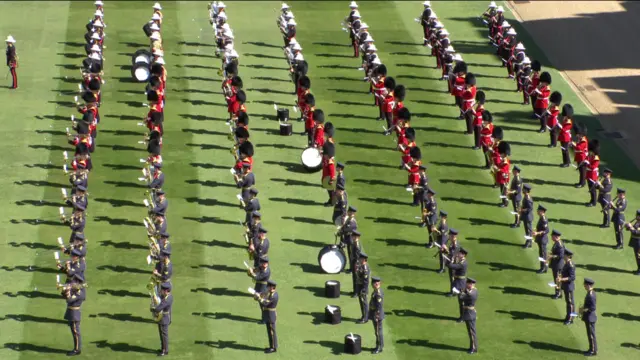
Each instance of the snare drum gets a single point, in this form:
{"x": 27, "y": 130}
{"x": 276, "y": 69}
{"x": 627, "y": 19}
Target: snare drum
{"x": 311, "y": 159}
{"x": 332, "y": 259}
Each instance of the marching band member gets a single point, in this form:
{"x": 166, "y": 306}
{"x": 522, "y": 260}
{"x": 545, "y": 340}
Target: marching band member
{"x": 565, "y": 134}
{"x": 75, "y": 294}
{"x": 12, "y": 60}
{"x": 307, "y": 109}
{"x": 522, "y": 75}
{"x": 541, "y": 238}
{"x": 413, "y": 167}
{"x": 543, "y": 91}
{"x": 605, "y": 186}
{"x": 566, "y": 280}
{"x": 259, "y": 246}
{"x": 515, "y": 194}
{"x": 260, "y": 275}
{"x": 386, "y": 100}
{"x": 73, "y": 266}
{"x": 515, "y": 59}
{"x": 430, "y": 215}
{"x": 458, "y": 84}
{"x": 530, "y": 94}
{"x": 592, "y": 170}
{"x": 478, "y": 119}
{"x": 581, "y": 149}
{"x": 503, "y": 169}
{"x": 246, "y": 182}
{"x": 290, "y": 32}
{"x": 424, "y": 21}
{"x": 618, "y": 218}
{"x": 269, "y": 301}
{"x": 551, "y": 118}
{"x": 376, "y": 313}
{"x": 525, "y": 212}
{"x": 468, "y": 298}
{"x": 156, "y": 10}
{"x": 163, "y": 311}
{"x": 328, "y": 168}
{"x": 468, "y": 99}
{"x": 634, "y": 242}
{"x": 588, "y": 314}
{"x": 556, "y": 260}
{"x": 318, "y": 130}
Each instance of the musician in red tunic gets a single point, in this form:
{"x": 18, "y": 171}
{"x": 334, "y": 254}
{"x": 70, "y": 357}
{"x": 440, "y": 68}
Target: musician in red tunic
{"x": 388, "y": 101}
{"x": 581, "y": 148}
{"x": 477, "y": 119}
{"x": 399, "y": 94}
{"x": 328, "y": 180}
{"x": 593, "y": 168}
{"x": 497, "y": 137}
{"x": 304, "y": 88}
{"x": 318, "y": 131}
{"x": 458, "y": 84}
{"x": 239, "y": 106}
{"x": 244, "y": 156}
{"x": 12, "y": 60}
{"x": 551, "y": 118}
{"x": 406, "y": 142}
{"x": 377, "y": 87}
{"x": 486, "y": 137}
{"x": 530, "y": 94}
{"x": 543, "y": 91}
{"x": 503, "y": 170}
{"x": 308, "y": 109}
{"x": 468, "y": 101}
{"x": 565, "y": 134}
{"x": 413, "y": 166}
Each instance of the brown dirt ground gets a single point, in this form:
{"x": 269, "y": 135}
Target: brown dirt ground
{"x": 592, "y": 43}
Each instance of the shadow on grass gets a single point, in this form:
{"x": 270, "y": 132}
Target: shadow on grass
{"x": 33, "y": 347}
{"x": 224, "y": 244}
{"x": 429, "y": 344}
{"x": 31, "y": 318}
{"x": 220, "y": 292}
{"x": 26, "y": 268}
{"x": 122, "y": 347}
{"x": 219, "y": 267}
{"x": 122, "y": 167}
{"x": 34, "y": 245}
{"x": 479, "y": 221}
{"x": 400, "y": 242}
{"x": 117, "y": 221}
{"x": 126, "y": 184}
{"x": 494, "y": 266}
{"x": 492, "y": 241}
{"x": 513, "y": 290}
{"x": 122, "y": 293}
{"x": 523, "y": 315}
{"x": 413, "y": 313}
{"x": 122, "y": 269}
{"x": 292, "y": 182}
{"x": 404, "y": 266}
{"x": 386, "y": 220}
{"x": 302, "y": 242}
{"x": 617, "y": 292}
{"x": 210, "y": 202}
{"x": 118, "y": 202}
{"x": 385, "y": 201}
{"x": 209, "y": 219}
{"x": 308, "y": 268}
{"x": 123, "y": 245}
{"x": 33, "y": 295}
{"x": 464, "y": 183}
{"x": 538, "y": 345}
{"x": 335, "y": 347}
{"x": 307, "y": 220}
{"x": 224, "y": 316}
{"x": 414, "y": 290}
{"x": 622, "y": 316}
{"x": 231, "y": 344}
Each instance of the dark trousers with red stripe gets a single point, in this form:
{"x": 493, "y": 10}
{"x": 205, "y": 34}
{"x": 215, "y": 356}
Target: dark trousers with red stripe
{"x": 14, "y": 76}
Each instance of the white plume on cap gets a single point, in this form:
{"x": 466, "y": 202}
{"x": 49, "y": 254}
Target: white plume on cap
{"x": 95, "y": 36}
{"x": 427, "y": 3}
{"x": 372, "y": 48}
{"x": 95, "y": 56}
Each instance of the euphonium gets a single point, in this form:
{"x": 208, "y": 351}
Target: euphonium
{"x": 154, "y": 248}
{"x": 69, "y": 286}
{"x": 155, "y": 301}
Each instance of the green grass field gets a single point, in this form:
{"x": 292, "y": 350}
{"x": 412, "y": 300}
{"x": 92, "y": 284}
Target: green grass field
{"x": 213, "y": 316}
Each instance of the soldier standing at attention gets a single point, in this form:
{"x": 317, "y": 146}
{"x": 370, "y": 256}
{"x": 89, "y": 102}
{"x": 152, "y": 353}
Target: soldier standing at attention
{"x": 515, "y": 194}
{"x": 542, "y": 230}
{"x": 340, "y": 179}
{"x": 354, "y": 256}
{"x": 252, "y": 204}
{"x": 556, "y": 259}
{"x": 362, "y": 287}
{"x": 166, "y": 302}
{"x": 269, "y": 302}
{"x": 459, "y": 279}
{"x": 12, "y": 60}
{"x": 260, "y": 276}
{"x": 566, "y": 281}
{"x": 259, "y": 246}
{"x": 376, "y": 313}
{"x": 527, "y": 214}
{"x": 618, "y": 217}
{"x": 340, "y": 206}
{"x": 605, "y": 185}
{"x": 468, "y": 299}
{"x": 75, "y": 294}
{"x": 349, "y": 225}
{"x": 443, "y": 238}
{"x": 634, "y": 242}
{"x": 588, "y": 313}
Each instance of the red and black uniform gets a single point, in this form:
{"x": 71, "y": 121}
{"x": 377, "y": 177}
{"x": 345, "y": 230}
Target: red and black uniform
{"x": 406, "y": 150}
{"x": 378, "y": 88}
{"x": 12, "y": 63}
{"x": 240, "y": 163}
{"x": 552, "y": 124}
{"x": 477, "y": 125}
{"x": 458, "y": 89}
{"x": 593, "y": 170}
{"x": 468, "y": 101}
{"x": 398, "y": 106}
{"x": 154, "y": 118}
{"x": 503, "y": 175}
{"x": 486, "y": 140}
{"x": 581, "y": 150}
{"x": 565, "y": 140}
{"x": 309, "y": 122}
{"x": 318, "y": 136}
{"x": 387, "y": 108}
{"x": 414, "y": 172}
{"x": 530, "y": 91}
{"x": 542, "y": 102}
{"x": 328, "y": 168}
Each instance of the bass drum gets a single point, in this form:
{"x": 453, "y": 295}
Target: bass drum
{"x": 311, "y": 159}
{"x": 142, "y": 55}
{"x": 140, "y": 72}
{"x": 332, "y": 259}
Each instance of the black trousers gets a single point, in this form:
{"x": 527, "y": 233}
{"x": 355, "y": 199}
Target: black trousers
{"x": 582, "y": 170}
{"x": 591, "y": 335}
{"x": 617, "y": 226}
{"x": 273, "y": 336}
{"x": 570, "y": 305}
{"x": 377, "y": 328}
{"x": 471, "y": 330}
{"x": 364, "y": 305}
{"x": 468, "y": 117}
{"x": 566, "y": 160}
{"x": 476, "y": 136}
{"x": 542, "y": 252}
{"x": 636, "y": 254}
{"x": 516, "y": 208}
{"x": 540, "y": 116}
{"x": 527, "y": 230}
{"x": 593, "y": 190}
{"x": 163, "y": 330}
{"x": 77, "y": 336}
{"x": 555, "y": 273}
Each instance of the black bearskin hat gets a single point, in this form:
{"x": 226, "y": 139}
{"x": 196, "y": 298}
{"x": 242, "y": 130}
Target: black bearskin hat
{"x": 497, "y": 133}
{"x": 243, "y": 118}
{"x": 470, "y": 79}
{"x": 305, "y": 82}
{"x": 481, "y": 97}
{"x": 236, "y": 81}
{"x": 318, "y": 116}
{"x": 555, "y": 98}
{"x": 381, "y": 70}
{"x": 242, "y": 133}
{"x": 156, "y": 69}
{"x": 579, "y": 129}
{"x": 329, "y": 129}
{"x": 545, "y": 77}
{"x": 231, "y": 68}
{"x": 154, "y": 147}
{"x": 404, "y": 114}
{"x": 94, "y": 84}
{"x": 594, "y": 146}
{"x": 329, "y": 149}
{"x": 241, "y": 96}
{"x": 460, "y": 67}
{"x": 390, "y": 83}
{"x": 157, "y": 117}
{"x": 486, "y": 116}
{"x": 303, "y": 68}
{"x": 95, "y": 68}
{"x": 82, "y": 127}
{"x": 410, "y": 133}
{"x": 152, "y": 96}
{"x": 82, "y": 148}
{"x": 154, "y": 81}
{"x": 567, "y": 110}
{"x": 88, "y": 97}
{"x": 246, "y": 148}
{"x": 310, "y": 100}
{"x": 400, "y": 92}
{"x": 536, "y": 66}
{"x": 415, "y": 153}
{"x": 504, "y": 148}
